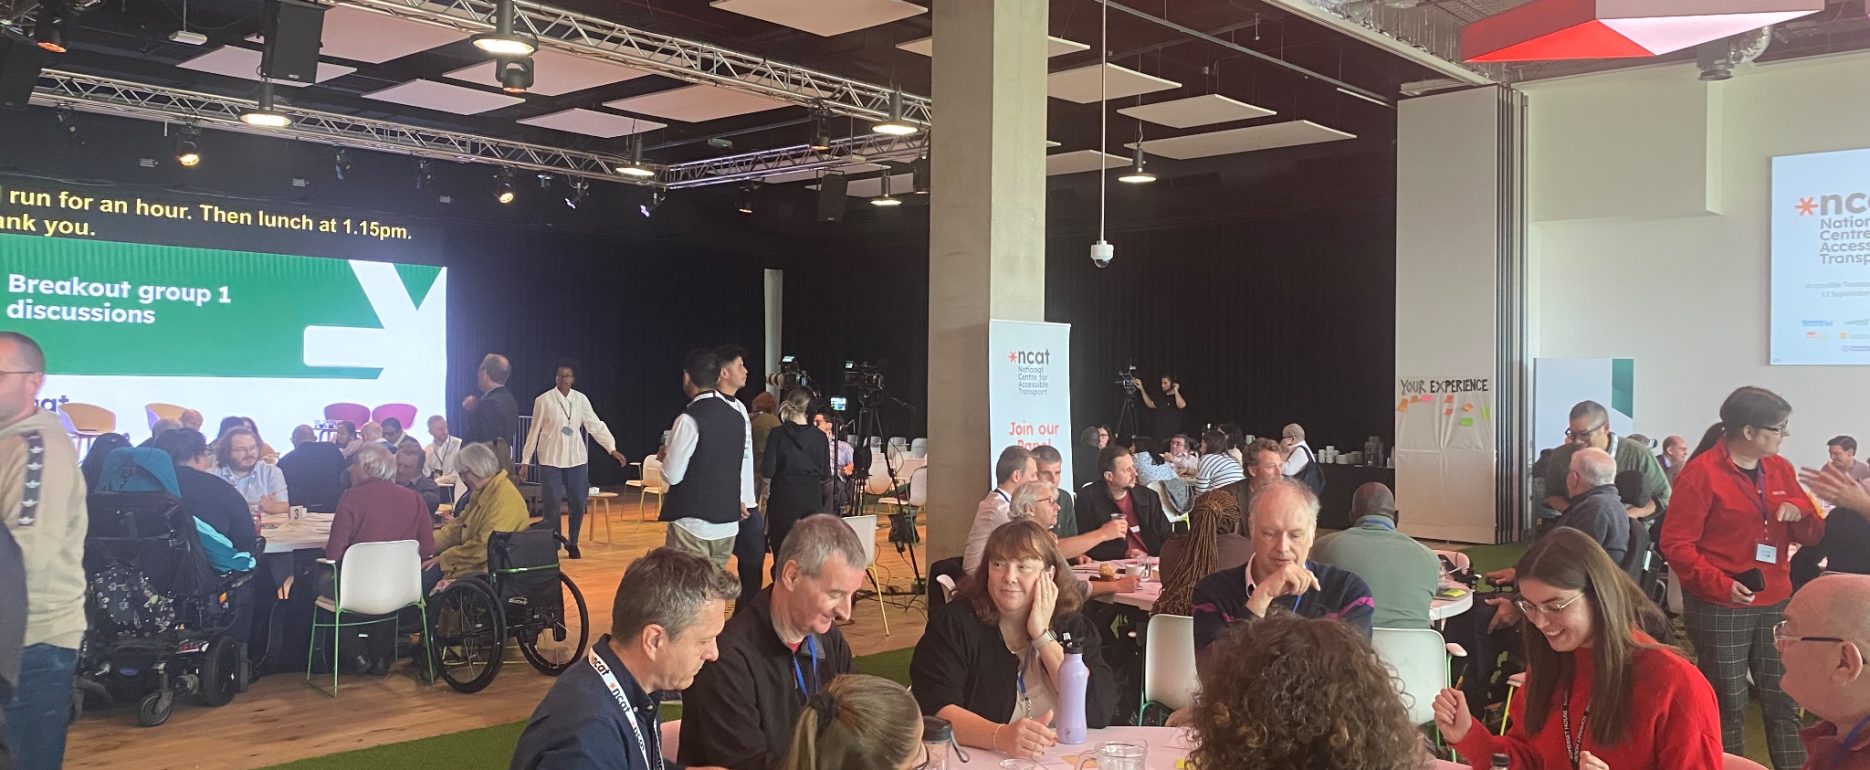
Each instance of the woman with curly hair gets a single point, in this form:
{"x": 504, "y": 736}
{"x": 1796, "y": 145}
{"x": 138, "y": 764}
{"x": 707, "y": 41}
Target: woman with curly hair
{"x": 1600, "y": 692}
{"x": 1213, "y": 543}
{"x": 1300, "y": 694}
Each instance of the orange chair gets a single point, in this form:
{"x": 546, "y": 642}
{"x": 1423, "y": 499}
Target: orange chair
{"x": 163, "y": 412}
{"x": 86, "y": 422}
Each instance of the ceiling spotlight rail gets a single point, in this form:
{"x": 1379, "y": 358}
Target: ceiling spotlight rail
{"x": 757, "y": 165}
{"x": 112, "y": 96}
{"x": 674, "y": 57}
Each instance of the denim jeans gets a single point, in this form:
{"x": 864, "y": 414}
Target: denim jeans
{"x": 40, "y": 710}
{"x": 572, "y": 485}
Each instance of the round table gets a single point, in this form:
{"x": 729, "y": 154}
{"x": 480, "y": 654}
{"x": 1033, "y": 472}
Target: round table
{"x": 285, "y": 535}
{"x": 1442, "y": 609}
{"x": 1167, "y": 745}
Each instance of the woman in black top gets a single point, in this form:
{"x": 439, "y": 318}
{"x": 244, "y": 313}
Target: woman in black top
{"x": 989, "y": 660}
{"x": 797, "y": 460}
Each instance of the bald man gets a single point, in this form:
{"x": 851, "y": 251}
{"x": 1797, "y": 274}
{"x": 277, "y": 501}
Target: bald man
{"x": 1823, "y": 641}
{"x": 191, "y": 419}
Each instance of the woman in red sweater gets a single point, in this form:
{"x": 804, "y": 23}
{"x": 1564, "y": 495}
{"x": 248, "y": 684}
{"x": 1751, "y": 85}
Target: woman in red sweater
{"x": 1736, "y": 511}
{"x": 1600, "y": 693}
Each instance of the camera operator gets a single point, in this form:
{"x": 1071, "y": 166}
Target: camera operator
{"x": 1169, "y": 412}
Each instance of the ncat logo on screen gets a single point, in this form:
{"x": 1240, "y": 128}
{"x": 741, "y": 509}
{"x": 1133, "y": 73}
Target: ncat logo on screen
{"x": 1828, "y": 205}
{"x": 1036, "y": 357}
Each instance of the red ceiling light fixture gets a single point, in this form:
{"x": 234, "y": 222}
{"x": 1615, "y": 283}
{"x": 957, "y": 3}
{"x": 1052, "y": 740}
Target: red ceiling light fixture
{"x": 1549, "y": 30}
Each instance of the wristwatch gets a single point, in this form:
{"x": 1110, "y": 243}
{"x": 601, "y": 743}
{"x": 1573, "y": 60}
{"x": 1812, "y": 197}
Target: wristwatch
{"x": 1047, "y": 636}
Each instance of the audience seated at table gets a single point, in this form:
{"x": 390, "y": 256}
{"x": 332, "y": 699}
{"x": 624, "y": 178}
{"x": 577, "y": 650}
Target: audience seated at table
{"x": 191, "y": 419}
{"x": 344, "y": 435}
{"x": 1217, "y": 467}
{"x": 778, "y": 653}
{"x": 1265, "y": 464}
{"x": 158, "y": 428}
{"x": 1213, "y": 544}
{"x": 1282, "y": 522}
{"x": 1038, "y": 501}
{"x": 1403, "y": 574}
{"x": 1091, "y": 443}
{"x": 376, "y": 510}
{"x": 372, "y": 433}
{"x": 439, "y": 455}
{"x": 409, "y": 476}
{"x": 1116, "y": 493}
{"x": 496, "y": 506}
{"x": 91, "y": 469}
{"x": 988, "y": 661}
{"x": 394, "y": 438}
{"x": 1179, "y": 452}
{"x": 1822, "y": 642}
{"x": 1051, "y": 466}
{"x": 1596, "y": 507}
{"x": 204, "y": 495}
{"x": 312, "y": 471}
{"x": 1289, "y": 692}
{"x": 1589, "y": 427}
{"x": 859, "y": 722}
{"x": 1150, "y": 467}
{"x": 1016, "y": 466}
{"x": 237, "y": 457}
{"x": 1600, "y": 690}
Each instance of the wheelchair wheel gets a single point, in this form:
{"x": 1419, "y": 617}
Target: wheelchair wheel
{"x": 553, "y": 640}
{"x": 467, "y": 636}
{"x": 220, "y": 672}
{"x": 155, "y": 708}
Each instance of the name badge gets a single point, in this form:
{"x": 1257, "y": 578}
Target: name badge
{"x": 565, "y": 430}
{"x": 1136, "y": 529}
{"x": 1766, "y": 553}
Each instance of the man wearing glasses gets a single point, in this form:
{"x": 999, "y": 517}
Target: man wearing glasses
{"x": 1822, "y": 641}
{"x": 1590, "y": 427}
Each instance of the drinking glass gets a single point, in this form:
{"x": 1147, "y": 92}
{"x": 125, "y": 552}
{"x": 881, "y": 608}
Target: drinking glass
{"x": 1117, "y": 755}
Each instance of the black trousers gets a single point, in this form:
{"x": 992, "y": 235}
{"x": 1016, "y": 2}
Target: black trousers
{"x": 1469, "y": 629}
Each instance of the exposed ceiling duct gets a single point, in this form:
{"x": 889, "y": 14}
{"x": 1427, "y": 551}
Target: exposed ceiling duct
{"x": 1718, "y": 58}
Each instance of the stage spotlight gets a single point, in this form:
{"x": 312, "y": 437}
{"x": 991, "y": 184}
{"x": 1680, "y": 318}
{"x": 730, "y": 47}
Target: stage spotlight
{"x": 265, "y": 114}
{"x": 341, "y": 164}
{"x": 648, "y": 209}
{"x": 48, "y": 28}
{"x": 919, "y": 172}
{"x": 579, "y": 188}
{"x": 821, "y": 138}
{"x": 502, "y": 41}
{"x": 425, "y": 177}
{"x": 636, "y": 167}
{"x": 895, "y": 125}
{"x": 503, "y": 192}
{"x": 886, "y": 199}
{"x": 1136, "y": 174}
{"x": 744, "y": 202}
{"x": 515, "y": 74}
{"x": 187, "y": 151}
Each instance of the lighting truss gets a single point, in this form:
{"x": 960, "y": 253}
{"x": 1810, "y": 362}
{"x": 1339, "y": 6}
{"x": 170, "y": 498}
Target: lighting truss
{"x": 111, "y": 96}
{"x": 757, "y": 165}
{"x": 687, "y": 60}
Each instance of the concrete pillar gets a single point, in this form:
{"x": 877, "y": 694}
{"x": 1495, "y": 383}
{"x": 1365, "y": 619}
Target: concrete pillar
{"x": 986, "y": 233}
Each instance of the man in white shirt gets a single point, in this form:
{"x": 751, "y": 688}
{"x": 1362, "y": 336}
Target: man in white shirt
{"x": 710, "y": 451}
{"x": 1298, "y": 454}
{"x": 1015, "y": 467}
{"x": 439, "y": 457}
{"x": 564, "y": 465}
{"x": 262, "y": 484}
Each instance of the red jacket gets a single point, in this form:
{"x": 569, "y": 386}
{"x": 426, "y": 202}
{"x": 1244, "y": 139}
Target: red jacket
{"x": 1673, "y": 722}
{"x": 1717, "y": 518}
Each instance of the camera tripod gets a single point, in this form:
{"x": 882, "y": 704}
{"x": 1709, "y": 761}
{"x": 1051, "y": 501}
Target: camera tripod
{"x": 869, "y": 422}
{"x": 1126, "y": 425}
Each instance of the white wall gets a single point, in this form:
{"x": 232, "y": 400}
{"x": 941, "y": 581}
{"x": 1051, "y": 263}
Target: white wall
{"x": 1648, "y": 194}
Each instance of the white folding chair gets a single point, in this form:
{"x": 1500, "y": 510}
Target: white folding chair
{"x": 1169, "y": 663}
{"x": 918, "y": 478}
{"x": 1419, "y": 656}
{"x": 919, "y": 447}
{"x": 377, "y": 581}
{"x": 651, "y": 483}
{"x": 671, "y": 736}
{"x": 866, "y": 529}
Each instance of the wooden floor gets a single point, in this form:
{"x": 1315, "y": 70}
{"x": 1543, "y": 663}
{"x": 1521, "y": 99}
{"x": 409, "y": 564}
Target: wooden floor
{"x": 282, "y": 718}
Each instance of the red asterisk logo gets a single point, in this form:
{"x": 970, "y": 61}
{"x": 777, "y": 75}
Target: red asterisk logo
{"x": 1807, "y": 207}
{"x": 1013, "y": 357}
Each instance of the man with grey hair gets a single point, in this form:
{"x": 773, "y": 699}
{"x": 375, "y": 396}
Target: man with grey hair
{"x": 1590, "y": 429}
{"x": 1595, "y": 508}
{"x": 1282, "y": 522}
{"x": 1038, "y": 500}
{"x": 493, "y": 415}
{"x": 1016, "y": 466}
{"x": 777, "y": 654}
{"x": 376, "y": 510}
{"x": 191, "y": 419}
{"x": 603, "y": 712}
{"x": 1051, "y": 465}
{"x": 1823, "y": 642}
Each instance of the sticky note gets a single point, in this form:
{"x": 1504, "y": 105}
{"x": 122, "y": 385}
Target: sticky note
{"x": 1403, "y": 405}
{"x": 1425, "y": 398}
{"x": 1449, "y": 412}
{"x": 1467, "y": 422}
{"x": 1467, "y": 408}
{"x": 1448, "y": 399}
{"x": 1484, "y": 413}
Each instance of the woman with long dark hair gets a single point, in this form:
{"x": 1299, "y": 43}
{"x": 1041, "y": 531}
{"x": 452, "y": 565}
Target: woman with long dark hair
{"x": 1213, "y": 543}
{"x": 797, "y": 460}
{"x": 1736, "y": 511}
{"x": 1600, "y": 691}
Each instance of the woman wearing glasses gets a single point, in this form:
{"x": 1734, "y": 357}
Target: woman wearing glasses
{"x": 1737, "y": 510}
{"x": 858, "y": 723}
{"x": 1600, "y": 693}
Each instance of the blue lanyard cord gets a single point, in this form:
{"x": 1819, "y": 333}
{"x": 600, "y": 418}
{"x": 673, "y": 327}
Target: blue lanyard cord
{"x": 811, "y": 647}
{"x": 1020, "y": 678}
{"x": 1844, "y": 747}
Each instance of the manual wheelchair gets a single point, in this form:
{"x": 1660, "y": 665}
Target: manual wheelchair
{"x": 523, "y": 596}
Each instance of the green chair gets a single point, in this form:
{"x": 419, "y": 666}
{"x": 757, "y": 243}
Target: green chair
{"x": 376, "y": 581}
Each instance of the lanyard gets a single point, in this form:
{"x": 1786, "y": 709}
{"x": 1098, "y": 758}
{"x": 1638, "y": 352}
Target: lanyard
{"x": 1844, "y": 747}
{"x": 1003, "y": 496}
{"x": 629, "y": 712}
{"x": 1025, "y": 700}
{"x": 564, "y": 405}
{"x": 1573, "y": 745}
{"x": 811, "y": 646}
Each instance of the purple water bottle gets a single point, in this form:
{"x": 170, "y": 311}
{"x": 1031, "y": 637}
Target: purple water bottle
{"x": 1073, "y": 678}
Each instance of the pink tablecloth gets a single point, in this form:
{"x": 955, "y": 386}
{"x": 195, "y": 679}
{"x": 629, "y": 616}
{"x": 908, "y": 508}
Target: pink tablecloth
{"x": 1166, "y": 745}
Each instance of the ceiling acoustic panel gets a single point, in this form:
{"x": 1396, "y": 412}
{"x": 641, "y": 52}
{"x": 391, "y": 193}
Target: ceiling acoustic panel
{"x": 1204, "y": 110}
{"x": 431, "y": 95}
{"x": 555, "y": 73}
{"x": 244, "y": 63}
{"x": 1054, "y": 46}
{"x": 1081, "y": 84}
{"x": 1080, "y": 161}
{"x": 900, "y": 185}
{"x": 824, "y": 18}
{"x": 603, "y": 125}
{"x": 697, "y": 103}
{"x": 359, "y": 35}
{"x": 1238, "y": 140}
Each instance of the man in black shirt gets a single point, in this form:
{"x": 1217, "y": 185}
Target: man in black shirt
{"x": 1169, "y": 412}
{"x": 1117, "y": 493}
{"x": 314, "y": 471}
{"x": 782, "y": 650}
{"x": 493, "y": 415}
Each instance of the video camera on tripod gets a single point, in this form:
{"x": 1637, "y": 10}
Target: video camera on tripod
{"x": 1126, "y": 379}
{"x": 865, "y": 377}
{"x": 791, "y": 375}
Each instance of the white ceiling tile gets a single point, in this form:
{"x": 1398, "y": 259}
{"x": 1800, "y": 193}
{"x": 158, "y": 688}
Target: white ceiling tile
{"x": 900, "y": 185}
{"x": 1054, "y": 46}
{"x": 244, "y": 63}
{"x": 555, "y": 73}
{"x": 1237, "y": 140}
{"x": 429, "y": 94}
{"x": 1081, "y": 84}
{"x": 1203, "y": 110}
{"x": 799, "y": 176}
{"x": 1080, "y": 161}
{"x": 360, "y": 35}
{"x": 697, "y": 103}
{"x": 824, "y": 17}
{"x": 593, "y": 123}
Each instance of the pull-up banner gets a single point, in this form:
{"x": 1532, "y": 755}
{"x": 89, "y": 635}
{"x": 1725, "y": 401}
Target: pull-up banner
{"x": 1029, "y": 387}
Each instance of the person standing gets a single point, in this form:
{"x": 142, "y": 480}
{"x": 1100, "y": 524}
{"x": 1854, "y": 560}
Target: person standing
{"x": 42, "y": 498}
{"x": 560, "y": 419}
{"x": 843, "y": 460}
{"x": 761, "y": 416}
{"x": 797, "y": 461}
{"x": 1169, "y": 412}
{"x": 1735, "y": 514}
{"x": 710, "y": 461}
{"x": 493, "y": 415}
